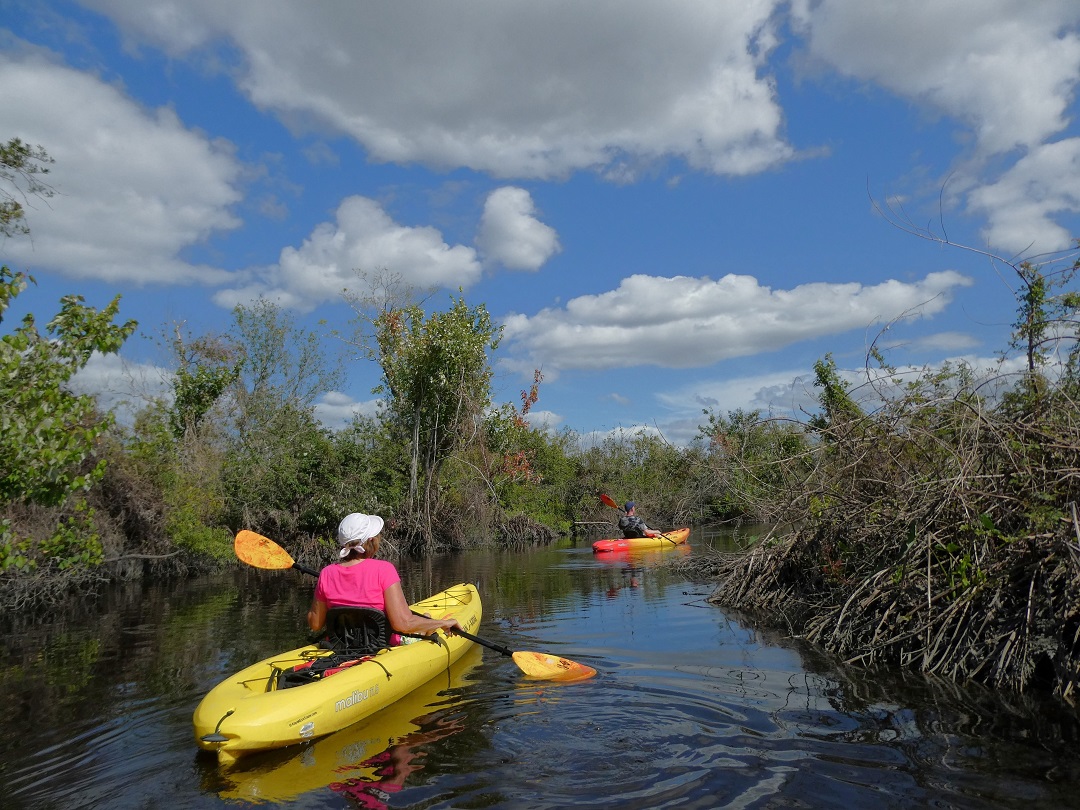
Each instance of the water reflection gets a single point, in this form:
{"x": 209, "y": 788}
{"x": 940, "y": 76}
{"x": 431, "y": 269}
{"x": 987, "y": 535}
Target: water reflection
{"x": 630, "y": 567}
{"x": 643, "y": 558}
{"x": 390, "y": 768}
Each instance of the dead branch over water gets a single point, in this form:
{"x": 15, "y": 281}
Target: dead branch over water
{"x": 938, "y": 534}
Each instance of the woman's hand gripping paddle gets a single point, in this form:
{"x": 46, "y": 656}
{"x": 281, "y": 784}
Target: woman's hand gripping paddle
{"x": 609, "y": 502}
{"x": 262, "y": 552}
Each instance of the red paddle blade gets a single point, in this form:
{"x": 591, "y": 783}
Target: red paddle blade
{"x": 608, "y": 501}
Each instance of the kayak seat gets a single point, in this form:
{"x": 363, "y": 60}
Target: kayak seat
{"x": 356, "y": 630}
{"x": 352, "y": 635}
{"x": 314, "y": 669}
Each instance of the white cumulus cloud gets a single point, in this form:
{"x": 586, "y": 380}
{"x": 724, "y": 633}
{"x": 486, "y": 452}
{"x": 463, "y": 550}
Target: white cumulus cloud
{"x": 1020, "y": 205}
{"x": 133, "y": 187}
{"x": 509, "y": 87}
{"x": 685, "y": 322}
{"x": 1008, "y": 70}
{"x": 364, "y": 238}
{"x": 510, "y": 233}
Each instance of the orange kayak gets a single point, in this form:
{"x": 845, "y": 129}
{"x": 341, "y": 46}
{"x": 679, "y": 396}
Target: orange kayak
{"x": 675, "y": 537}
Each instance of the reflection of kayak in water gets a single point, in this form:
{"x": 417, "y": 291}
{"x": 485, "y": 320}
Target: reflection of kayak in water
{"x": 352, "y": 760}
{"x": 248, "y": 712}
{"x": 643, "y": 557}
{"x": 671, "y": 539}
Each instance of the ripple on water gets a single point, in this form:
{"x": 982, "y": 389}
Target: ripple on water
{"x": 613, "y": 743}
{"x": 95, "y": 762}
{"x": 725, "y": 723}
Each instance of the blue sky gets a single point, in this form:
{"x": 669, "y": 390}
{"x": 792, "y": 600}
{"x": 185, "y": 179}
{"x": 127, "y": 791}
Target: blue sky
{"x": 670, "y": 207}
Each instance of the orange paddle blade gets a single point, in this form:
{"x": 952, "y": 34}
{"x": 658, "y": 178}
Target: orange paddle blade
{"x": 551, "y": 667}
{"x": 261, "y": 552}
{"x": 609, "y": 502}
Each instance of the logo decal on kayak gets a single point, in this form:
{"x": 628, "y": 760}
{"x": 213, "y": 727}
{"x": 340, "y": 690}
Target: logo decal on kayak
{"x": 307, "y": 730}
{"x": 299, "y": 720}
{"x": 358, "y": 696}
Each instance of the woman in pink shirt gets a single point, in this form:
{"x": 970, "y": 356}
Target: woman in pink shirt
{"x": 360, "y": 580}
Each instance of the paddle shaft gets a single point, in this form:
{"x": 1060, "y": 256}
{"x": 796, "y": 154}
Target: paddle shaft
{"x": 483, "y": 642}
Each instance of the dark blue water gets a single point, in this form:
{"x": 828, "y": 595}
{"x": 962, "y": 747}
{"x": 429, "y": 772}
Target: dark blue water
{"x": 692, "y": 708}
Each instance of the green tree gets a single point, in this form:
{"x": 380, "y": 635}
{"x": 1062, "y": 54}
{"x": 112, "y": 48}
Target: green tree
{"x": 48, "y": 433}
{"x": 748, "y": 458}
{"x": 207, "y": 367}
{"x": 530, "y": 472}
{"x": 838, "y": 408}
{"x": 1045, "y": 317}
{"x": 278, "y": 456}
{"x": 533, "y": 471}
{"x": 1046, "y": 310}
{"x": 21, "y": 168}
{"x": 281, "y": 362}
{"x": 437, "y": 380}
{"x": 170, "y": 462}
{"x": 643, "y": 466}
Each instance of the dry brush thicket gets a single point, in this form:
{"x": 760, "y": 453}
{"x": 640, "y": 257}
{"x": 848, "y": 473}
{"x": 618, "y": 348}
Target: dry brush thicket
{"x": 939, "y": 534}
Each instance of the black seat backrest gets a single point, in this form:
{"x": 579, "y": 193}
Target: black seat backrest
{"x": 357, "y": 630}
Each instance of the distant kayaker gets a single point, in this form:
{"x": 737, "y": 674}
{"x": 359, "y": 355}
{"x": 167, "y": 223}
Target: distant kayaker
{"x": 360, "y": 580}
{"x": 633, "y": 526}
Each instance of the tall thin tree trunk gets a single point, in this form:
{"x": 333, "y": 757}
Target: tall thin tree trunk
{"x": 414, "y": 461}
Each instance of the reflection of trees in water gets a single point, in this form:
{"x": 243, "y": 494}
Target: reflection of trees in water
{"x": 933, "y": 721}
{"x": 937, "y": 721}
{"x": 970, "y": 709}
{"x": 153, "y": 636}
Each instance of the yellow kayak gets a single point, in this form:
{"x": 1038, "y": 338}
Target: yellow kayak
{"x": 247, "y": 713}
{"x": 347, "y": 755}
{"x": 669, "y": 539}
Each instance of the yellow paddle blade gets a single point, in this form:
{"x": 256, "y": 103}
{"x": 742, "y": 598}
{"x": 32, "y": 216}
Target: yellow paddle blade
{"x": 261, "y": 552}
{"x": 551, "y": 667}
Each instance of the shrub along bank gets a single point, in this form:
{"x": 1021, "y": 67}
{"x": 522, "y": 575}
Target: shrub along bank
{"x": 940, "y": 531}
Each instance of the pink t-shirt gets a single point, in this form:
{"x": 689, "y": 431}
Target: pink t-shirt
{"x": 359, "y": 585}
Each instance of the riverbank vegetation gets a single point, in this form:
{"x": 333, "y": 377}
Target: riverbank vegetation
{"x": 234, "y": 442}
{"x": 937, "y": 530}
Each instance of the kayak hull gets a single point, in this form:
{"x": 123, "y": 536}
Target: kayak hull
{"x": 246, "y": 713}
{"x": 675, "y": 537}
{"x": 344, "y": 756}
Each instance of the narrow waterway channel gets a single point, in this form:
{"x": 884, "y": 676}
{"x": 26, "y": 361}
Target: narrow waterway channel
{"x": 691, "y": 707}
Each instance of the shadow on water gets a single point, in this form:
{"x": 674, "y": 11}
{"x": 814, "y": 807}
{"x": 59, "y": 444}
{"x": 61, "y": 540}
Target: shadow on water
{"x": 692, "y": 706}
